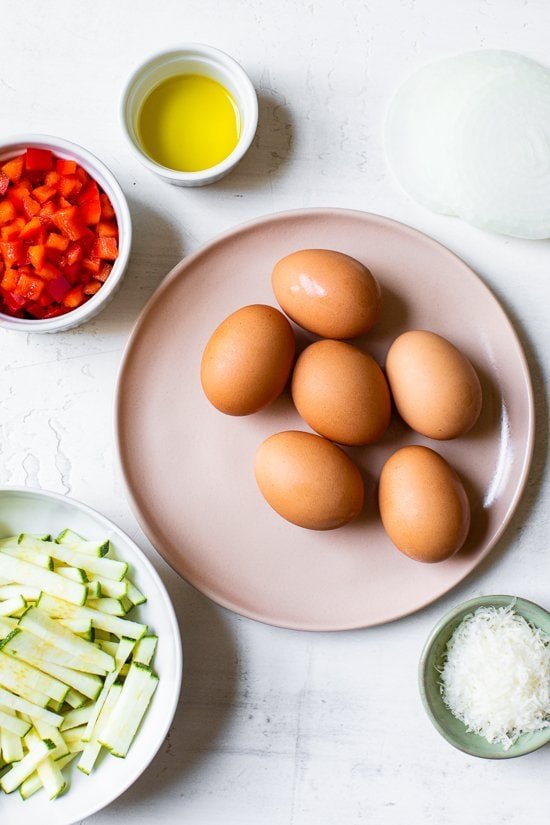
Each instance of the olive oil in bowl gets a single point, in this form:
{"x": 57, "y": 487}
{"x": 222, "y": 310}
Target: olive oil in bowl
{"x": 189, "y": 123}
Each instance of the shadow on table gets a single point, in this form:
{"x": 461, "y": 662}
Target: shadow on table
{"x": 156, "y": 248}
{"x": 270, "y": 149}
{"x": 205, "y": 706}
{"x": 540, "y": 452}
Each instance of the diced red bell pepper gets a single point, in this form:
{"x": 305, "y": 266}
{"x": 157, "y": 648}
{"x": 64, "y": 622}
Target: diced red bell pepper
{"x": 107, "y": 229}
{"x": 74, "y": 298}
{"x": 56, "y": 241}
{"x": 58, "y": 235}
{"x": 73, "y": 272}
{"x": 107, "y": 211}
{"x": 12, "y": 252}
{"x": 31, "y": 229}
{"x": 106, "y": 248}
{"x": 65, "y": 167}
{"x": 47, "y": 210}
{"x": 38, "y": 160}
{"x": 30, "y": 287}
{"x": 9, "y": 232}
{"x": 14, "y": 168}
{"x": 9, "y": 279}
{"x": 93, "y": 287}
{"x": 14, "y": 301}
{"x": 37, "y": 256}
{"x": 45, "y": 299}
{"x": 58, "y": 288}
{"x": 37, "y": 309}
{"x": 44, "y": 193}
{"x": 7, "y": 212}
{"x": 68, "y": 186}
{"x": 16, "y": 195}
{"x": 92, "y": 265}
{"x": 70, "y": 223}
{"x": 30, "y": 206}
{"x": 49, "y": 272}
{"x": 90, "y": 212}
{"x": 103, "y": 273}
{"x": 74, "y": 253}
{"x": 52, "y": 178}
{"x": 82, "y": 174}
{"x": 90, "y": 192}
{"x": 12, "y": 230}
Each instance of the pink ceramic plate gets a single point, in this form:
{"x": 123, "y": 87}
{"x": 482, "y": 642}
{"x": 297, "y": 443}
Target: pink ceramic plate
{"x": 188, "y": 468}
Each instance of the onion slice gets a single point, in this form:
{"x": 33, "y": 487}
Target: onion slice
{"x": 470, "y": 136}
{"x": 502, "y": 155}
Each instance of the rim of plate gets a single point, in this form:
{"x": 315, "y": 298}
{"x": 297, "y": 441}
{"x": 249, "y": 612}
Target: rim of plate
{"x": 134, "y": 776}
{"x": 311, "y": 212}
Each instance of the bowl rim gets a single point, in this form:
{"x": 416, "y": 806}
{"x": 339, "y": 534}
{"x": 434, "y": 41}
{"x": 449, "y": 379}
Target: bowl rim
{"x": 201, "y": 50}
{"x": 468, "y": 606}
{"x": 178, "y": 644}
{"x": 12, "y": 145}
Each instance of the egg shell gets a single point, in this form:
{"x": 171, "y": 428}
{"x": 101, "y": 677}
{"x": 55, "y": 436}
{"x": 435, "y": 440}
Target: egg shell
{"x": 341, "y": 393}
{"x": 247, "y": 361}
{"x": 308, "y": 480}
{"x": 327, "y": 292}
{"x": 435, "y": 388}
{"x": 423, "y": 504}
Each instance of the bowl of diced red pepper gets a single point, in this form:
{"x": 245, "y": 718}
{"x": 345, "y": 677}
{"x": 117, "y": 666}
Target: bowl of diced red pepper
{"x": 65, "y": 234}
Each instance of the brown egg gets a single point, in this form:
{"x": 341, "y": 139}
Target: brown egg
{"x": 247, "y": 361}
{"x": 423, "y": 505}
{"x": 435, "y": 388}
{"x": 308, "y": 481}
{"x": 341, "y": 393}
{"x": 327, "y": 293}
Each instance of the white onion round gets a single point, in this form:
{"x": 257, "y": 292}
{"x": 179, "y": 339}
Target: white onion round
{"x": 456, "y": 127}
{"x": 502, "y": 154}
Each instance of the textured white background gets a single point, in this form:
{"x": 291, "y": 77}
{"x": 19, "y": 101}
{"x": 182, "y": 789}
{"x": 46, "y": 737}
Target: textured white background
{"x": 276, "y": 727}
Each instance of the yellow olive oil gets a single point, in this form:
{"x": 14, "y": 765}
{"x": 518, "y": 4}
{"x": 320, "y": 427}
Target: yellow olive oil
{"x": 189, "y": 123}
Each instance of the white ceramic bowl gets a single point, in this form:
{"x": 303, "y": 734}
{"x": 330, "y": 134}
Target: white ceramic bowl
{"x": 191, "y": 58}
{"x": 37, "y": 511}
{"x": 105, "y": 178}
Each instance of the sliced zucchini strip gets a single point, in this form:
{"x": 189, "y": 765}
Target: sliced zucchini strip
{"x": 11, "y": 606}
{"x": 23, "y": 572}
{"x": 136, "y": 694}
{"x": 58, "y": 609}
{"x": 75, "y": 699}
{"x": 37, "y": 622}
{"x": 17, "y": 703}
{"x": 33, "y": 649}
{"x": 33, "y": 784}
{"x": 145, "y": 649}
{"x": 13, "y": 724}
{"x": 112, "y": 606}
{"x": 124, "y": 649}
{"x": 23, "y": 769}
{"x": 12, "y": 746}
{"x": 18, "y": 675}
{"x": 75, "y": 718}
{"x": 93, "y": 747}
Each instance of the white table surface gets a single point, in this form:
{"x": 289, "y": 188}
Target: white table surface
{"x": 274, "y": 726}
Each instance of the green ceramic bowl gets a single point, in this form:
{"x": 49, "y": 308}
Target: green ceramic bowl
{"x": 432, "y": 658}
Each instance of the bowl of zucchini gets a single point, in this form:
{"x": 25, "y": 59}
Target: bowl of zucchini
{"x": 90, "y": 659}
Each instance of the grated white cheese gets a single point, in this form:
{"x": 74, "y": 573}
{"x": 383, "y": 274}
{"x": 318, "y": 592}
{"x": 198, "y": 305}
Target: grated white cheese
{"x": 496, "y": 675}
